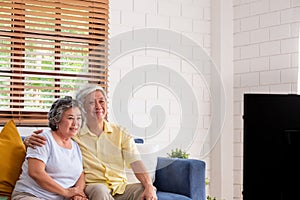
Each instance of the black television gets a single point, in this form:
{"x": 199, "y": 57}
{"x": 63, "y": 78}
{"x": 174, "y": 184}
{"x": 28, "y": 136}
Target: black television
{"x": 271, "y": 146}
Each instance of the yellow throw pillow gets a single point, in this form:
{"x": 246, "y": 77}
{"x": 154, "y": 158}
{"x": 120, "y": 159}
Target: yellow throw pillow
{"x": 12, "y": 154}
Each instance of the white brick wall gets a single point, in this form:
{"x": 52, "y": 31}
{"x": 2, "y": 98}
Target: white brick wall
{"x": 265, "y": 58}
{"x": 190, "y": 20}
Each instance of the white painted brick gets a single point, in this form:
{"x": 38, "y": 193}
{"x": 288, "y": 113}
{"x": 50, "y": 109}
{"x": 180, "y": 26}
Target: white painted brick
{"x": 115, "y": 17}
{"x": 260, "y": 35}
{"x": 241, "y": 38}
{"x": 192, "y": 11}
{"x": 241, "y": 66}
{"x": 238, "y": 164}
{"x": 188, "y": 68}
{"x": 280, "y": 61}
{"x": 294, "y": 88}
{"x": 290, "y": 15}
{"x": 163, "y": 103}
{"x": 250, "y": 79}
{"x": 269, "y": 48}
{"x": 244, "y": 1}
{"x": 238, "y": 123}
{"x": 196, "y": 37}
{"x": 289, "y": 75}
{"x": 198, "y": 82}
{"x": 289, "y": 45}
{"x": 201, "y": 26}
{"x": 145, "y": 6}
{"x": 260, "y": 89}
{"x": 144, "y": 60}
{"x": 114, "y": 75}
{"x": 207, "y": 13}
{"x": 173, "y": 63}
{"x": 141, "y": 120}
{"x": 235, "y": 2}
{"x": 168, "y": 8}
{"x": 122, "y": 63}
{"x": 259, "y": 64}
{"x": 241, "y": 11}
{"x": 133, "y": 19}
{"x": 137, "y": 105}
{"x": 155, "y": 21}
{"x": 238, "y": 93}
{"x": 280, "y": 32}
{"x": 237, "y": 81}
{"x": 147, "y": 92}
{"x": 236, "y": 26}
{"x": 259, "y": 7}
{"x": 181, "y": 24}
{"x": 206, "y": 95}
{"x": 207, "y": 43}
{"x": 187, "y": 2}
{"x": 205, "y": 108}
{"x": 279, "y": 4}
{"x": 295, "y": 29}
{"x": 236, "y": 53}
{"x": 269, "y": 19}
{"x": 281, "y": 88}
{"x": 237, "y": 191}
{"x": 204, "y": 3}
{"x": 124, "y": 5}
{"x": 116, "y": 29}
{"x": 250, "y": 23}
{"x": 250, "y": 51}
{"x": 270, "y": 77}
{"x": 295, "y": 59}
{"x": 295, "y": 3}
{"x": 206, "y": 121}
{"x": 238, "y": 108}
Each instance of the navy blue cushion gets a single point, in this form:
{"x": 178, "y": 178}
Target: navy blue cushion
{"x": 181, "y": 176}
{"x": 139, "y": 140}
{"x": 170, "y": 196}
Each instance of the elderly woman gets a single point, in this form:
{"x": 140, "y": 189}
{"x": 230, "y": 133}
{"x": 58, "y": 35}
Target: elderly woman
{"x": 106, "y": 148}
{"x": 54, "y": 171}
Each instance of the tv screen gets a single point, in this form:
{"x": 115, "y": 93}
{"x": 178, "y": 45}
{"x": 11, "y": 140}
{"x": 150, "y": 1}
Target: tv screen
{"x": 271, "y": 168}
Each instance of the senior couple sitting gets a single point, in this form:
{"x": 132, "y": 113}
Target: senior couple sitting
{"x": 93, "y": 166}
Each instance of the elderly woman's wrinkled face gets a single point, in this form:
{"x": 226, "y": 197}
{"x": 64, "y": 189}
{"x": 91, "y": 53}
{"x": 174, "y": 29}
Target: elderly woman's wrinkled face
{"x": 70, "y": 123}
{"x": 95, "y": 106}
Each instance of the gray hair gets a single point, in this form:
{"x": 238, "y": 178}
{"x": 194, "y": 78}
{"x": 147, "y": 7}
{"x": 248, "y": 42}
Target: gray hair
{"x": 59, "y": 107}
{"x": 83, "y": 92}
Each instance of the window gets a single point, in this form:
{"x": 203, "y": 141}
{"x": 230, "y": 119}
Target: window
{"x": 47, "y": 50}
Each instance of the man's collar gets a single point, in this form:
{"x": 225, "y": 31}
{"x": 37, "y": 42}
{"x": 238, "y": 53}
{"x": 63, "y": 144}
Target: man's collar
{"x": 106, "y": 126}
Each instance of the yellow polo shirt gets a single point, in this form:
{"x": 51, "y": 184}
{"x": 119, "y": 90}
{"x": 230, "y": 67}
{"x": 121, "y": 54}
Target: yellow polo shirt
{"x": 105, "y": 157}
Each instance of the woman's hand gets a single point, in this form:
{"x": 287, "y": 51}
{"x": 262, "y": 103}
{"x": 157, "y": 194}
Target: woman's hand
{"x": 78, "y": 197}
{"x": 35, "y": 139}
{"x": 75, "y": 193}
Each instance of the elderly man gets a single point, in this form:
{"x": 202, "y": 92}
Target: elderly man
{"x": 107, "y": 149}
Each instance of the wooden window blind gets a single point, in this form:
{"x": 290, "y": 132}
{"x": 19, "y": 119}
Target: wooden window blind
{"x": 48, "y": 49}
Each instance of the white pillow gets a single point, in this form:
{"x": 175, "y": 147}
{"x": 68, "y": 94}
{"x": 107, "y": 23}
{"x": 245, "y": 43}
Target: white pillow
{"x": 149, "y": 158}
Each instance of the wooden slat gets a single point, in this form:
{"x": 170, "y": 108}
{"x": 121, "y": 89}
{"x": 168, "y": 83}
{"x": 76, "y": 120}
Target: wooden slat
{"x": 69, "y": 37}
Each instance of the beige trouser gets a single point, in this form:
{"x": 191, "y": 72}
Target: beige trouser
{"x": 23, "y": 196}
{"x": 101, "y": 192}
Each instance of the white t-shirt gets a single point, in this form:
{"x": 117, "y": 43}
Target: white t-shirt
{"x": 63, "y": 165}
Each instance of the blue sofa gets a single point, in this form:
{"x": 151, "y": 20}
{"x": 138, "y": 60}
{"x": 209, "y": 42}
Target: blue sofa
{"x": 180, "y": 179}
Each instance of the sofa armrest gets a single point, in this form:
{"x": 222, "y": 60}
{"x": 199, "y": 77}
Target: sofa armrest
{"x": 181, "y": 176}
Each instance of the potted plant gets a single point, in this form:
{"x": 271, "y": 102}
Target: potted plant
{"x": 178, "y": 153}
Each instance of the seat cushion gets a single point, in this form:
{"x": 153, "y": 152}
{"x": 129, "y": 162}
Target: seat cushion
{"x": 171, "y": 196}
{"x": 12, "y": 154}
